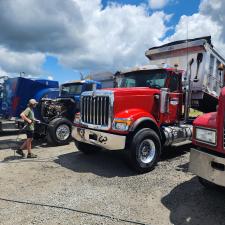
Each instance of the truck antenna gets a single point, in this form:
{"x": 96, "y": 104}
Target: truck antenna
{"x": 187, "y": 79}
{"x": 187, "y": 45}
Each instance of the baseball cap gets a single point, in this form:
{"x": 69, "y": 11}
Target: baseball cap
{"x": 33, "y": 102}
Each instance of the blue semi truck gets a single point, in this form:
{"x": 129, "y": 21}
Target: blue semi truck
{"x": 56, "y": 109}
{"x": 59, "y": 113}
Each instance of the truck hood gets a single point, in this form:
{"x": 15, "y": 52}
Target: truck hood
{"x": 207, "y": 120}
{"x": 134, "y": 91}
{"x": 135, "y": 102}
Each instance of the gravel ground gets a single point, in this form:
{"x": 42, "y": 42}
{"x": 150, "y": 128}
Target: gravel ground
{"x": 64, "y": 186}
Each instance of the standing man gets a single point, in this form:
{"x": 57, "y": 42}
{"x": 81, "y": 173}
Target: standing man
{"x": 28, "y": 116}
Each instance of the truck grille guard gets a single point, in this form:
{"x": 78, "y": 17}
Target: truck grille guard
{"x": 97, "y": 109}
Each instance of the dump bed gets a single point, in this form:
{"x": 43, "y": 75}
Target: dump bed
{"x": 206, "y": 79}
{"x": 17, "y": 91}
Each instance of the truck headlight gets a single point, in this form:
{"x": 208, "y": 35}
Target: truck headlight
{"x": 205, "y": 135}
{"x": 121, "y": 124}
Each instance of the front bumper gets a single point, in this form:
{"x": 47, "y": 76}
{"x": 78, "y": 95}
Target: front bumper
{"x": 101, "y": 139}
{"x": 208, "y": 166}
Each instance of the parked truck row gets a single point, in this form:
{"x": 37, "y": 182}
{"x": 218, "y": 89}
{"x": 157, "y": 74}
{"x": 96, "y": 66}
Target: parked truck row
{"x": 147, "y": 110}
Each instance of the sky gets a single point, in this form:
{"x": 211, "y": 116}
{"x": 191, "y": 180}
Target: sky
{"x": 61, "y": 40}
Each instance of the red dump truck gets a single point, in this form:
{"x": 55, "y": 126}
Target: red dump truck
{"x": 149, "y": 109}
{"x": 207, "y": 159}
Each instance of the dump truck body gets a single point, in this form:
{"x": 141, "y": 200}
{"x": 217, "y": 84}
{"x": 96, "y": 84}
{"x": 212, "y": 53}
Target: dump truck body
{"x": 206, "y": 79}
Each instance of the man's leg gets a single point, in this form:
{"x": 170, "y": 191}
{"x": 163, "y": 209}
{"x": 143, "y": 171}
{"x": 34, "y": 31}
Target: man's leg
{"x": 24, "y": 145}
{"x": 19, "y": 151}
{"x": 29, "y": 145}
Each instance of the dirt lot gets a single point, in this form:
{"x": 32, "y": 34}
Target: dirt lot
{"x": 64, "y": 186}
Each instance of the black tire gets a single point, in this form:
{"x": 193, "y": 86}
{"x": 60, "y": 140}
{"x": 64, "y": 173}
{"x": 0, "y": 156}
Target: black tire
{"x": 59, "y": 131}
{"x": 209, "y": 185}
{"x": 49, "y": 139}
{"x": 86, "y": 148}
{"x": 141, "y": 141}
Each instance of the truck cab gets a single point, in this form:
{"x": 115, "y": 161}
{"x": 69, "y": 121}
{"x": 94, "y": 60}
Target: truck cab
{"x": 156, "y": 79}
{"x": 75, "y": 88}
{"x": 207, "y": 158}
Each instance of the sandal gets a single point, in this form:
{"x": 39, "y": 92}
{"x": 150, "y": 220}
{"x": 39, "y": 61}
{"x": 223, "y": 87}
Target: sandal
{"x": 31, "y": 156}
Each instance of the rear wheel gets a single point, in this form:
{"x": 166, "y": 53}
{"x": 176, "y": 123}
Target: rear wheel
{"x": 86, "y": 148}
{"x": 144, "y": 150}
{"x": 59, "y": 131}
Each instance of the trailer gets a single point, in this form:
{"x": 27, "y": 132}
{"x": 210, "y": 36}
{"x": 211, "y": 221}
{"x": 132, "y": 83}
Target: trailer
{"x": 150, "y": 107}
{"x": 201, "y": 65}
{"x": 15, "y": 94}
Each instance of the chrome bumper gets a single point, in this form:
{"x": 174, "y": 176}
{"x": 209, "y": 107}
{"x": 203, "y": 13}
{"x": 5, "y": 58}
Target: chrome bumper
{"x": 101, "y": 139}
{"x": 207, "y": 166}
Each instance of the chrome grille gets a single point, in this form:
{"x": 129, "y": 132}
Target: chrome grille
{"x": 95, "y": 110}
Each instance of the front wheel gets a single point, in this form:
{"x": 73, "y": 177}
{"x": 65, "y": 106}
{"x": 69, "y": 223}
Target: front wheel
{"x": 144, "y": 150}
{"x": 59, "y": 131}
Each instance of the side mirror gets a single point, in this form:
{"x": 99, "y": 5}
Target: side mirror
{"x": 164, "y": 100}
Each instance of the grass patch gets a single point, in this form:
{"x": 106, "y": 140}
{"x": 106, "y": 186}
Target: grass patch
{"x": 195, "y": 113}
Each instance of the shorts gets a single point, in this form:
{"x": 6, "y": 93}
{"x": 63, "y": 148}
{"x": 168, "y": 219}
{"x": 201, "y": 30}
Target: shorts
{"x": 30, "y": 133}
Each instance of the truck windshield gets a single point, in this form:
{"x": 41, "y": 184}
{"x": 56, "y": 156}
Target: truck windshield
{"x": 146, "y": 78}
{"x": 71, "y": 89}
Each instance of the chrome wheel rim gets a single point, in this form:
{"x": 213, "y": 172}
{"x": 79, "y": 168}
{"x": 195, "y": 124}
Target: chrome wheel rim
{"x": 146, "y": 151}
{"x": 63, "y": 132}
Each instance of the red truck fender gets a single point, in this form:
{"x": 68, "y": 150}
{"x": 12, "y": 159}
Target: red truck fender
{"x": 145, "y": 122}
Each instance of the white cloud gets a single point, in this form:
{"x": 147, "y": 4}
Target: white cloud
{"x": 80, "y": 33}
{"x": 116, "y": 36}
{"x": 16, "y": 62}
{"x": 208, "y": 21}
{"x": 158, "y": 4}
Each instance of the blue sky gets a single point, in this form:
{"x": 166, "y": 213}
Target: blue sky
{"x": 177, "y": 8}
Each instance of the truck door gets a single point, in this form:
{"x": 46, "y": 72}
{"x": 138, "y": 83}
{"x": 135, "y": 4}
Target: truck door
{"x": 175, "y": 98}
